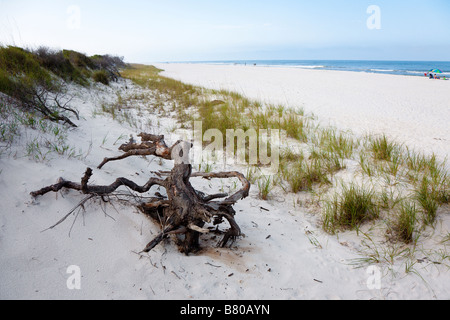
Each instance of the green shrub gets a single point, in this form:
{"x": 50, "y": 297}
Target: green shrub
{"x": 101, "y": 76}
{"x": 19, "y": 65}
{"x": 56, "y": 62}
{"x": 6, "y": 83}
{"x": 78, "y": 60}
{"x": 34, "y": 78}
{"x": 24, "y": 79}
{"x": 21, "y": 75}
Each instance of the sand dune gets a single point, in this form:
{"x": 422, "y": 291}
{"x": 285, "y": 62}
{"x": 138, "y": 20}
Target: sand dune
{"x": 411, "y": 110}
{"x": 285, "y": 254}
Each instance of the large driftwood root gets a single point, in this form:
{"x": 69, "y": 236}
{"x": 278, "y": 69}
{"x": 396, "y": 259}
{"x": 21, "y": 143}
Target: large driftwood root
{"x": 184, "y": 211}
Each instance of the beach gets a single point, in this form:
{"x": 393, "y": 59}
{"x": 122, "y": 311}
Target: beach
{"x": 224, "y": 156}
{"x": 414, "y": 111}
{"x": 284, "y": 255}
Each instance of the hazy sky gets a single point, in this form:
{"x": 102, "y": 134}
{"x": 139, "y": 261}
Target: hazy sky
{"x": 187, "y": 30}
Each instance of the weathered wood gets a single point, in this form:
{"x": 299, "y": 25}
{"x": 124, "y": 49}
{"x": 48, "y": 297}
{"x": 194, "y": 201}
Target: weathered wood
{"x": 98, "y": 190}
{"x": 185, "y": 211}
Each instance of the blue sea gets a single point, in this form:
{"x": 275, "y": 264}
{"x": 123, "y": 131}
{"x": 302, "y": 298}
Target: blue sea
{"x": 407, "y": 68}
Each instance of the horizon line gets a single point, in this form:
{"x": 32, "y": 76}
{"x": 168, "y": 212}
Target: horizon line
{"x": 253, "y": 60}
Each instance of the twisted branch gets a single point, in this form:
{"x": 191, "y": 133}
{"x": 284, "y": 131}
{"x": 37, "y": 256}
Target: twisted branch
{"x": 185, "y": 211}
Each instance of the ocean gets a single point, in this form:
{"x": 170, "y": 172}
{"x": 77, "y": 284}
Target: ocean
{"x": 407, "y": 68}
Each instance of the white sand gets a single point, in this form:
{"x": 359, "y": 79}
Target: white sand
{"x": 412, "y": 110}
{"x": 297, "y": 261}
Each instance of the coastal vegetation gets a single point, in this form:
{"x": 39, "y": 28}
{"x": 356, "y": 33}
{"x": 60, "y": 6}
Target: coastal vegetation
{"x": 351, "y": 182}
{"x": 34, "y": 95}
{"x": 37, "y": 80}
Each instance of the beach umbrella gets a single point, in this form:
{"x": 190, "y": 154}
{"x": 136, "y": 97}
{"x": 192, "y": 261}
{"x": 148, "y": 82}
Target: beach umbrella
{"x": 436, "y": 71}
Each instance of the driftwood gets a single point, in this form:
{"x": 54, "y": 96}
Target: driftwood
{"x": 184, "y": 211}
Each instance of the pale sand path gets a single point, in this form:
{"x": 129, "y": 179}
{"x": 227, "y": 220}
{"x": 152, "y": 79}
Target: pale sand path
{"x": 411, "y": 110}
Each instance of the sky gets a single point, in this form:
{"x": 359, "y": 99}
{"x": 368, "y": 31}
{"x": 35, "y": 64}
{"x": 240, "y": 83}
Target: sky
{"x": 207, "y": 30}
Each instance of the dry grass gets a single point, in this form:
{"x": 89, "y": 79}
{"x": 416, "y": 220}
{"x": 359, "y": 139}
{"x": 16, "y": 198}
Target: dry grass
{"x": 418, "y": 184}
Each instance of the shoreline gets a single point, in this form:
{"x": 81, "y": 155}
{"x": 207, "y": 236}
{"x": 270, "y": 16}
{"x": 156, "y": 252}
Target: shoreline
{"x": 409, "y": 109}
{"x": 319, "y": 67}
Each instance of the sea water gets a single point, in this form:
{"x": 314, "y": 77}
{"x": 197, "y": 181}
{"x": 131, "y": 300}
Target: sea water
{"x": 409, "y": 68}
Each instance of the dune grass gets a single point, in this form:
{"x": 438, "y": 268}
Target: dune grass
{"x": 404, "y": 226}
{"x": 42, "y": 139}
{"x": 265, "y": 184}
{"x": 382, "y": 148}
{"x": 426, "y": 196}
{"x": 350, "y": 208}
{"x": 303, "y": 175}
{"x": 403, "y": 186}
{"x": 399, "y": 189}
{"x": 418, "y": 185}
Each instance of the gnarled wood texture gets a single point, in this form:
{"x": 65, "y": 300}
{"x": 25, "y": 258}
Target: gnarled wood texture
{"x": 184, "y": 210}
